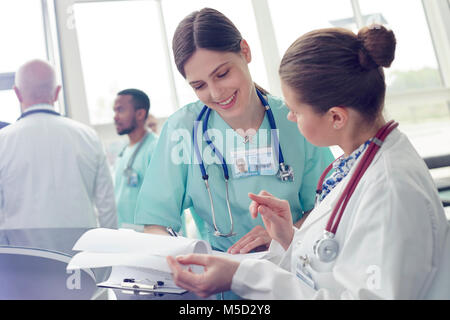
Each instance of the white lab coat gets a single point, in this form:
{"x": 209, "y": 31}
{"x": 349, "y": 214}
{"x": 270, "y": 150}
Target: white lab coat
{"x": 394, "y": 239}
{"x": 53, "y": 171}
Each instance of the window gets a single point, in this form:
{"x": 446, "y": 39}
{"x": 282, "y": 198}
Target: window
{"x": 416, "y": 96}
{"x": 123, "y": 49}
{"x": 22, "y": 39}
{"x": 10, "y": 106}
{"x": 423, "y": 116}
{"x": 415, "y": 65}
{"x": 240, "y": 12}
{"x": 293, "y": 18}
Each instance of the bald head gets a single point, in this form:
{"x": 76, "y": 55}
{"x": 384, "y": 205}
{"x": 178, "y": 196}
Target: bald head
{"x": 35, "y": 82}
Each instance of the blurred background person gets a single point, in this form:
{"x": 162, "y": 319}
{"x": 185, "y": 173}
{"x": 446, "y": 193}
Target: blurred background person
{"x": 131, "y": 109}
{"x": 58, "y": 169}
{"x": 152, "y": 123}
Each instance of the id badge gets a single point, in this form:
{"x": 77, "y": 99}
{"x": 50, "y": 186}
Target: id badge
{"x": 132, "y": 177}
{"x": 253, "y": 162}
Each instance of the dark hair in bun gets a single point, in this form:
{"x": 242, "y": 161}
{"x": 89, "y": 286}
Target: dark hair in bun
{"x": 334, "y": 67}
{"x": 377, "y": 46}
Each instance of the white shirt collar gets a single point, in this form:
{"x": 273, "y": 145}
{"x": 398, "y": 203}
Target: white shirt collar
{"x": 40, "y": 106}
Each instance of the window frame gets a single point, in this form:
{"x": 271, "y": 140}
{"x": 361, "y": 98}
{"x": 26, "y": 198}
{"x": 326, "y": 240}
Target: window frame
{"x": 52, "y": 54}
{"x": 437, "y": 14}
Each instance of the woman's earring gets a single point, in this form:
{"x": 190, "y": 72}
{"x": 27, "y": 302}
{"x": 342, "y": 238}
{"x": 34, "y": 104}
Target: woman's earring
{"x": 335, "y": 126}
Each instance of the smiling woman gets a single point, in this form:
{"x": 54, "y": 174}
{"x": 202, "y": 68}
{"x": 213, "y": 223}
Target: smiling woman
{"x": 226, "y": 88}
{"x": 212, "y": 55}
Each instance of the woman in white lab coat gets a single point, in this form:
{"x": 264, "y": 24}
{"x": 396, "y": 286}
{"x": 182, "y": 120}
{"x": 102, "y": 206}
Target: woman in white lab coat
{"x": 392, "y": 240}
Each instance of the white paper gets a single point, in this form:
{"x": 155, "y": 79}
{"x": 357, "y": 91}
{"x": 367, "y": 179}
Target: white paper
{"x": 127, "y": 240}
{"x": 107, "y": 247}
{"x": 242, "y": 256}
{"x": 139, "y": 255}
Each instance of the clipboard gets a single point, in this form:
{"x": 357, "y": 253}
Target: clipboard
{"x": 140, "y": 280}
{"x": 140, "y": 288}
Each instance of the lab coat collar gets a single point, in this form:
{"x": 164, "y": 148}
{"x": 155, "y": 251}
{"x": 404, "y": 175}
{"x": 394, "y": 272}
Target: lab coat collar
{"x": 40, "y": 106}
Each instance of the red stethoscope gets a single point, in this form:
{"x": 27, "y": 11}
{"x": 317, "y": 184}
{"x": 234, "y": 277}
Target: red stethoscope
{"x": 327, "y": 248}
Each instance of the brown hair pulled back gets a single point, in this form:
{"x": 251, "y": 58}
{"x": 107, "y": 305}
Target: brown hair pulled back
{"x": 334, "y": 67}
{"x": 205, "y": 29}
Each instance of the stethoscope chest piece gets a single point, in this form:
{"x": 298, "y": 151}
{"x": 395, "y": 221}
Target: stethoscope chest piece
{"x": 285, "y": 173}
{"x": 327, "y": 248}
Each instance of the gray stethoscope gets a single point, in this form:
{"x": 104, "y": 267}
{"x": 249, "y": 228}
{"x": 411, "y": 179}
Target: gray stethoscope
{"x": 285, "y": 172}
{"x": 128, "y": 172}
{"x": 326, "y": 249}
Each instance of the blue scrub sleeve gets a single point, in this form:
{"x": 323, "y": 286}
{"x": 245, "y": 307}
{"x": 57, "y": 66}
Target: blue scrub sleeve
{"x": 316, "y": 161}
{"x": 161, "y": 200}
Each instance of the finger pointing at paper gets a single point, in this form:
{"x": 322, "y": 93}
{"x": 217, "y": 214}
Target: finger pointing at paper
{"x": 276, "y": 215}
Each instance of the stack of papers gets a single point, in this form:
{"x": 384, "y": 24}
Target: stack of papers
{"x": 139, "y": 256}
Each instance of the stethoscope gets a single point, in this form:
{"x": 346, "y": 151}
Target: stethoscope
{"x": 128, "y": 172}
{"x": 27, "y": 113}
{"x": 285, "y": 172}
{"x": 326, "y": 249}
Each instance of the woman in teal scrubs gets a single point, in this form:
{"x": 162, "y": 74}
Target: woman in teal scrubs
{"x": 213, "y": 57}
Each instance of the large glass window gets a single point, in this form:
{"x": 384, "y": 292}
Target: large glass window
{"x": 293, "y": 18}
{"x": 415, "y": 69}
{"x": 240, "y": 12}
{"x": 414, "y": 79}
{"x": 415, "y": 65}
{"x": 121, "y": 46}
{"x": 22, "y": 39}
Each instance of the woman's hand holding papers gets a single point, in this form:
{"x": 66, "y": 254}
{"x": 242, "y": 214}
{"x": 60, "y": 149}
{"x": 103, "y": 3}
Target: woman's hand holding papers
{"x": 217, "y": 275}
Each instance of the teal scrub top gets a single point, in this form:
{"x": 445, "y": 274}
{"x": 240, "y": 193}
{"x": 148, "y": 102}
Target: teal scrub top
{"x": 126, "y": 195}
{"x": 173, "y": 181}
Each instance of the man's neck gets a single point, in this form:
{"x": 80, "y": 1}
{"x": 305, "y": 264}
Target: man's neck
{"x": 26, "y": 105}
{"x": 136, "y": 135}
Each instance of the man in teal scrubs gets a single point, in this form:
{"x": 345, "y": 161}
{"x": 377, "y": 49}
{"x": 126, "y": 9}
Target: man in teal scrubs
{"x": 131, "y": 109}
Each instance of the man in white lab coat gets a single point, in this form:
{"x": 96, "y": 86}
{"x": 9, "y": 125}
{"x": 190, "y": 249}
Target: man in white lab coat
{"x": 52, "y": 169}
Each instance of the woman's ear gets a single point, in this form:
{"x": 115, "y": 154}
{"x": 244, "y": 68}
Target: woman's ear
{"x": 338, "y": 116}
{"x": 245, "y": 51}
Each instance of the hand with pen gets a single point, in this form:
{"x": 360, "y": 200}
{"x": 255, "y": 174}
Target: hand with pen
{"x": 218, "y": 271}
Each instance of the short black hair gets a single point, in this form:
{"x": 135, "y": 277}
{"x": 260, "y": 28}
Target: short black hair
{"x": 140, "y": 99}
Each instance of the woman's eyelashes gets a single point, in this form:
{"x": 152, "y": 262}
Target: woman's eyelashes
{"x": 222, "y": 74}
{"x": 198, "y": 87}
{"x": 219, "y": 75}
